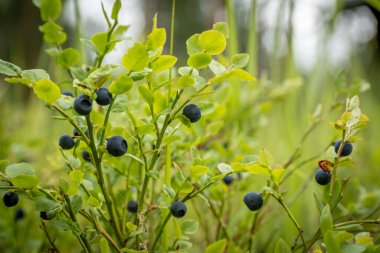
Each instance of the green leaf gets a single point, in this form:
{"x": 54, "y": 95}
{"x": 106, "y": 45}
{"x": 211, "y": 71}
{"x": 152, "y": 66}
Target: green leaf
{"x": 76, "y": 176}
{"x": 53, "y": 33}
{"x": 243, "y": 75}
{"x": 197, "y": 171}
{"x": 163, "y": 62}
{"x": 104, "y": 248}
{"x": 212, "y": 42}
{"x": 222, "y": 28}
{"x": 77, "y": 203}
{"x": 156, "y": 39}
{"x": 44, "y": 204}
{"x": 266, "y": 158}
{"x": 184, "y": 120}
{"x": 217, "y": 247}
{"x": 344, "y": 237}
{"x": 131, "y": 227}
{"x": 146, "y": 94}
{"x": 277, "y": 174}
{"x": 199, "y": 60}
{"x": 35, "y": 75}
{"x": 240, "y": 60}
{"x": 224, "y": 168}
{"x": 318, "y": 203}
{"x": 100, "y": 41}
{"x": 25, "y": 181}
{"x": 189, "y": 227}
{"x": 93, "y": 201}
{"x": 116, "y": 9}
{"x": 9, "y": 69}
{"x": 355, "y": 248}
{"x": 217, "y": 68}
{"x": 47, "y": 91}
{"x": 192, "y": 45}
{"x": 331, "y": 242}
{"x": 326, "y": 222}
{"x": 254, "y": 168}
{"x": 68, "y": 57}
{"x": 50, "y": 9}
{"x": 186, "y": 187}
{"x": 136, "y": 58}
{"x": 17, "y": 169}
{"x": 282, "y": 247}
{"x": 122, "y": 84}
{"x": 186, "y": 81}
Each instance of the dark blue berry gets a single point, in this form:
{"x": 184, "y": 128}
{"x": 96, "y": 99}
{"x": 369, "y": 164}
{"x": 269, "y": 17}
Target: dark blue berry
{"x": 103, "y": 97}
{"x": 322, "y": 177}
{"x": 178, "y": 209}
{"x": 192, "y": 112}
{"x": 228, "y": 180}
{"x": 346, "y": 150}
{"x": 132, "y": 206}
{"x": 47, "y": 215}
{"x": 253, "y": 201}
{"x": 117, "y": 146}
{"x": 66, "y": 142}
{"x": 83, "y": 105}
{"x": 10, "y": 199}
{"x": 67, "y": 93}
{"x": 86, "y": 155}
{"x": 19, "y": 214}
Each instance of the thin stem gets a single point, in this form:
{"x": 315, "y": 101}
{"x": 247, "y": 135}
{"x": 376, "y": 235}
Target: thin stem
{"x": 220, "y": 221}
{"x": 336, "y": 162}
{"x": 291, "y": 216}
{"x": 171, "y": 44}
{"x": 102, "y": 185}
{"x": 354, "y": 222}
{"x": 51, "y": 241}
{"x": 100, "y": 58}
{"x": 160, "y": 230}
{"x": 105, "y": 122}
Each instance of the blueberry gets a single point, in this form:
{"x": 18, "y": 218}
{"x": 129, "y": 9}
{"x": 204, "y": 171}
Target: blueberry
{"x": 83, "y": 105}
{"x": 66, "y": 142}
{"x": 86, "y": 155}
{"x": 346, "y": 150}
{"x": 117, "y": 146}
{"x": 76, "y": 133}
{"x": 253, "y": 201}
{"x": 67, "y": 93}
{"x": 103, "y": 97}
{"x": 10, "y": 199}
{"x": 192, "y": 112}
{"x": 322, "y": 177}
{"x": 47, "y": 215}
{"x": 19, "y": 214}
{"x": 228, "y": 180}
{"x": 178, "y": 209}
{"x": 132, "y": 206}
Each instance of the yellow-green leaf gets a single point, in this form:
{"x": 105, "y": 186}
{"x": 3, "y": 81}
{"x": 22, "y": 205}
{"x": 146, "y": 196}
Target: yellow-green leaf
{"x": 68, "y": 57}
{"x": 163, "y": 62}
{"x": 156, "y": 39}
{"x": 122, "y": 84}
{"x": 50, "y": 9}
{"x": 199, "y": 60}
{"x": 146, "y": 94}
{"x": 192, "y": 45}
{"x": 46, "y": 90}
{"x": 25, "y": 181}
{"x": 136, "y": 58}
{"x": 243, "y": 75}
{"x": 197, "y": 171}
{"x": 217, "y": 247}
{"x": 212, "y": 42}
{"x": 186, "y": 81}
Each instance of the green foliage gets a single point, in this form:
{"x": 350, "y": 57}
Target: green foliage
{"x": 68, "y": 57}
{"x": 9, "y": 69}
{"x": 136, "y": 58}
{"x": 50, "y": 9}
{"x": 46, "y": 90}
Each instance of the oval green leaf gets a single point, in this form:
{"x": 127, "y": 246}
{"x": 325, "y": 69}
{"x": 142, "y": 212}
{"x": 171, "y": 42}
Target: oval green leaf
{"x": 122, "y": 84}
{"x": 199, "y": 60}
{"x": 212, "y": 42}
{"x": 47, "y": 91}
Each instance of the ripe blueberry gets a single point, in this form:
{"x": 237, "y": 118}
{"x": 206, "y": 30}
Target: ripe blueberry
{"x": 192, "y": 112}
{"x": 103, "y": 97}
{"x": 253, "y": 201}
{"x": 83, "y": 105}
{"x": 117, "y": 146}
{"x": 76, "y": 133}
{"x": 66, "y": 142}
{"x": 19, "y": 214}
{"x": 346, "y": 150}
{"x": 132, "y": 206}
{"x": 228, "y": 180}
{"x": 67, "y": 93}
{"x": 322, "y": 177}
{"x": 178, "y": 209}
{"x": 86, "y": 155}
{"x": 47, "y": 215}
{"x": 10, "y": 199}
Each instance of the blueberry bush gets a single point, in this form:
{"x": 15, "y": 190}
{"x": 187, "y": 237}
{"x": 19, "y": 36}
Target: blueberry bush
{"x": 159, "y": 159}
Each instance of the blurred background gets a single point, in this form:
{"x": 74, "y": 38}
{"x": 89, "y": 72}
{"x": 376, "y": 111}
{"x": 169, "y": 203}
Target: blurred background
{"x": 323, "y": 44}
